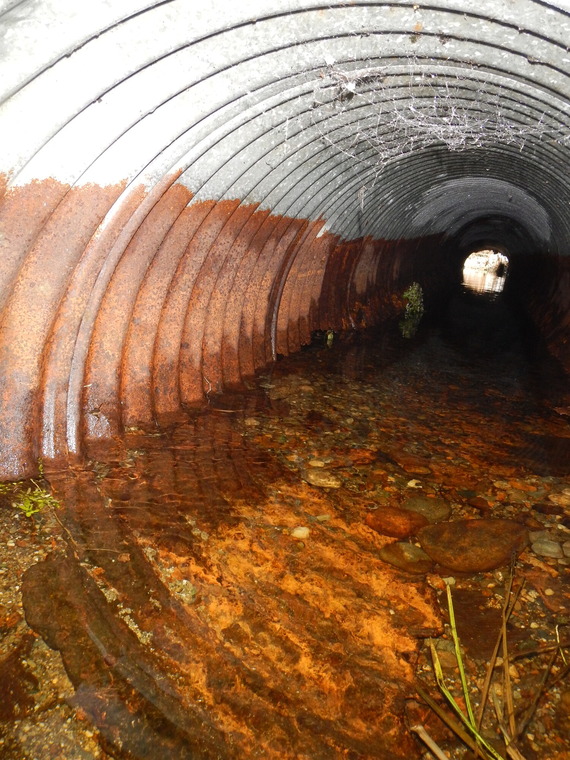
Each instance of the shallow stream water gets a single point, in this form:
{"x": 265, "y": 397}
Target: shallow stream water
{"x": 220, "y": 593}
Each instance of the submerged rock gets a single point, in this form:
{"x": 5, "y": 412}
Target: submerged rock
{"x": 413, "y": 465}
{"x": 434, "y": 510}
{"x": 322, "y": 478}
{"x": 545, "y": 547}
{"x": 406, "y": 556}
{"x": 561, "y": 499}
{"x": 472, "y": 546}
{"x": 395, "y": 522}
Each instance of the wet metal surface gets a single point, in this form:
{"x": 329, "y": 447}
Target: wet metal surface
{"x": 154, "y": 301}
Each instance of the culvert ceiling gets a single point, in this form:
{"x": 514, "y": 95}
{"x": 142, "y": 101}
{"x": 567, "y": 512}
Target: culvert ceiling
{"x": 190, "y": 189}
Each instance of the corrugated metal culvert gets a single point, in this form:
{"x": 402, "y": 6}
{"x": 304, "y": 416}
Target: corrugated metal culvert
{"x": 189, "y": 189}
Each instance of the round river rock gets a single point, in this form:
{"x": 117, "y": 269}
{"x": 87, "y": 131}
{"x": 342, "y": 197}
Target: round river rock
{"x": 472, "y": 546}
{"x": 395, "y": 522}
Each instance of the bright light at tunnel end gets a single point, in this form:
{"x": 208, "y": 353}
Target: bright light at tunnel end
{"x": 485, "y": 271}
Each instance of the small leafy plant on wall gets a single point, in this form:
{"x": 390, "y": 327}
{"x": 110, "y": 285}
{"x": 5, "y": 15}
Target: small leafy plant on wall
{"x": 414, "y": 300}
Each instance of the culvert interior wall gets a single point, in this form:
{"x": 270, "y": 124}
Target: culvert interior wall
{"x": 188, "y": 190}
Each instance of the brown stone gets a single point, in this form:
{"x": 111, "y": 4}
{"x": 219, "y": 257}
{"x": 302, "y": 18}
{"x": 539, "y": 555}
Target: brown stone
{"x": 392, "y": 521}
{"x": 406, "y": 556}
{"x": 472, "y": 546}
{"x": 479, "y": 503}
{"x": 433, "y": 509}
{"x": 413, "y": 465}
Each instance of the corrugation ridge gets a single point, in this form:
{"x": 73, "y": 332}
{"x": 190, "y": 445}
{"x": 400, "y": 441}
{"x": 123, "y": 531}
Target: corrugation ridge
{"x": 166, "y": 361}
{"x": 193, "y": 381}
{"x": 137, "y": 355}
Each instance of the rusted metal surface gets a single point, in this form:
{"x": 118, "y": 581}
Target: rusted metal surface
{"x": 172, "y": 300}
{"x": 163, "y": 304}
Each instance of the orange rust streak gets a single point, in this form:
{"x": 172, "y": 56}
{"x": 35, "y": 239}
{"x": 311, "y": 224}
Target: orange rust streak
{"x": 222, "y": 303}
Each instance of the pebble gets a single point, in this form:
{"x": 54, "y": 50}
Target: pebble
{"x": 434, "y": 510}
{"x": 562, "y": 499}
{"x": 447, "y": 659}
{"x": 413, "y": 465}
{"x": 540, "y": 535}
{"x": 395, "y": 522}
{"x": 473, "y": 545}
{"x": 300, "y": 532}
{"x": 480, "y": 503}
{"x": 544, "y": 547}
{"x": 566, "y": 548}
{"x": 316, "y": 463}
{"x": 406, "y": 556}
{"x": 322, "y": 478}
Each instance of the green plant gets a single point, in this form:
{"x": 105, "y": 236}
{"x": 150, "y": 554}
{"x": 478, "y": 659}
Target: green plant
{"x": 414, "y": 297}
{"x": 510, "y": 723}
{"x": 28, "y": 496}
{"x": 34, "y": 499}
{"x": 473, "y": 738}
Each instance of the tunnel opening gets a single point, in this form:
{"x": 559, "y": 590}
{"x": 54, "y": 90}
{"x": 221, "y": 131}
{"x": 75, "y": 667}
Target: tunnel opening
{"x": 266, "y": 424}
{"x": 485, "y": 271}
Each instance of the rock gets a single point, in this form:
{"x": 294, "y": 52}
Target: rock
{"x": 300, "y": 532}
{"x": 406, "y": 556}
{"x": 316, "y": 463}
{"x": 479, "y": 503}
{"x": 434, "y": 510}
{"x": 566, "y": 548}
{"x": 545, "y": 547}
{"x": 472, "y": 546}
{"x": 548, "y": 508}
{"x": 447, "y": 659}
{"x": 412, "y": 464}
{"x": 322, "y": 478}
{"x": 361, "y": 456}
{"x": 562, "y": 499}
{"x": 395, "y": 522}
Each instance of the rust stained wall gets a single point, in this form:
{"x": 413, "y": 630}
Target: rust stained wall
{"x": 114, "y": 319}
